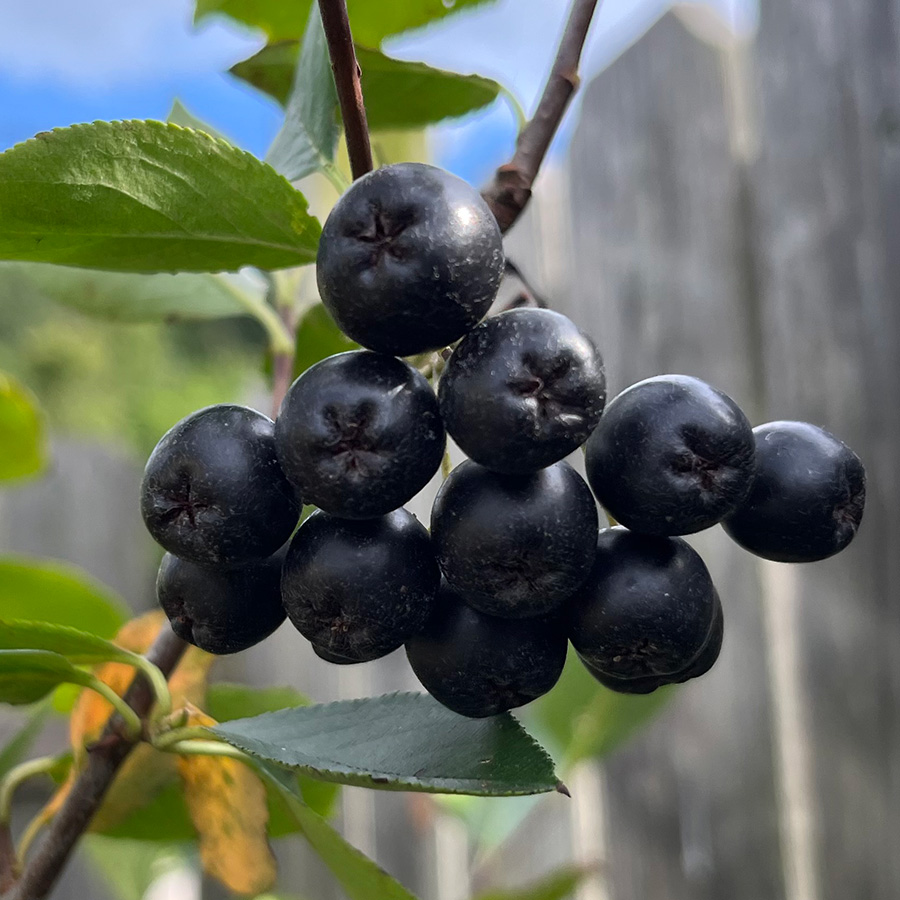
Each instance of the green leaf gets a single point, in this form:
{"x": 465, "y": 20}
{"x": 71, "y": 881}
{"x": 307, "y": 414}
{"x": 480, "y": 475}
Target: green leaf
{"x": 77, "y": 646}
{"x": 22, "y": 440}
{"x": 49, "y": 591}
{"x": 17, "y": 747}
{"x": 308, "y": 138}
{"x": 398, "y": 94}
{"x": 148, "y": 197}
{"x": 399, "y": 742}
{"x": 126, "y": 297}
{"x": 586, "y": 720}
{"x": 179, "y": 114}
{"x": 359, "y": 876}
{"x": 226, "y": 701}
{"x": 27, "y": 676}
{"x": 556, "y": 886}
{"x": 318, "y": 337}
{"x": 370, "y": 20}
{"x": 401, "y": 94}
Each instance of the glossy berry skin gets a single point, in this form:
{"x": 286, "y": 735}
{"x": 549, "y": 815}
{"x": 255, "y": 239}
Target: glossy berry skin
{"x": 359, "y": 434}
{"x": 514, "y": 545}
{"x": 807, "y": 498}
{"x": 647, "y": 608}
{"x": 703, "y": 662}
{"x": 522, "y": 390}
{"x": 410, "y": 259}
{"x": 213, "y": 491}
{"x": 220, "y": 609}
{"x": 479, "y": 665}
{"x": 358, "y": 589}
{"x": 671, "y": 455}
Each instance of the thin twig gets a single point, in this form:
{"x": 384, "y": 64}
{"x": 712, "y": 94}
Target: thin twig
{"x": 92, "y": 783}
{"x": 346, "y": 79}
{"x": 510, "y": 190}
{"x": 283, "y": 363}
{"x": 527, "y": 297}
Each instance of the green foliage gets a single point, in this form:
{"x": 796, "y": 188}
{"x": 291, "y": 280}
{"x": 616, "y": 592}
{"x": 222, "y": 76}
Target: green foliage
{"x": 585, "y": 720}
{"x": 15, "y": 749}
{"x": 125, "y": 384}
{"x": 412, "y": 94}
{"x": 179, "y": 114}
{"x": 148, "y": 197}
{"x": 399, "y": 742}
{"x": 126, "y": 297}
{"x": 226, "y": 701}
{"x": 371, "y": 20}
{"x": 77, "y": 646}
{"x": 22, "y": 440}
{"x": 556, "y": 886}
{"x": 308, "y": 138}
{"x": 318, "y": 338}
{"x": 27, "y": 676}
{"x": 360, "y": 878}
{"x": 398, "y": 94}
{"x": 54, "y": 592}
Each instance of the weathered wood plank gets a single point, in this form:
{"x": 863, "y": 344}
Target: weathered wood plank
{"x": 658, "y": 257}
{"x": 827, "y": 195}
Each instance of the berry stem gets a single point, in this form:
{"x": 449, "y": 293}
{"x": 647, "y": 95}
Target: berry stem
{"x": 103, "y": 761}
{"x": 283, "y": 363}
{"x": 510, "y": 189}
{"x": 346, "y": 71}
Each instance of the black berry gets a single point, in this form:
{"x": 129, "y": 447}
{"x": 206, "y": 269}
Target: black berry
{"x": 514, "y": 545}
{"x": 807, "y": 498}
{"x": 479, "y": 665}
{"x": 522, "y": 390}
{"x": 359, "y": 434}
{"x": 410, "y": 259}
{"x": 646, "y": 610}
{"x": 221, "y": 609}
{"x": 703, "y": 662}
{"x": 213, "y": 491}
{"x": 358, "y": 589}
{"x": 671, "y": 455}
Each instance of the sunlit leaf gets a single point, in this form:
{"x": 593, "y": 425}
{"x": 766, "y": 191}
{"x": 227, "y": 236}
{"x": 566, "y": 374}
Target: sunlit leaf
{"x": 129, "y": 297}
{"x": 370, "y": 20}
{"x": 148, "y": 197}
{"x": 308, "y": 138}
{"x": 398, "y": 94}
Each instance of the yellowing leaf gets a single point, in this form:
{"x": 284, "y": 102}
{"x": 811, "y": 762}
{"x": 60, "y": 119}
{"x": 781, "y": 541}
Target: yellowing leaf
{"x": 227, "y": 804}
{"x": 146, "y": 771}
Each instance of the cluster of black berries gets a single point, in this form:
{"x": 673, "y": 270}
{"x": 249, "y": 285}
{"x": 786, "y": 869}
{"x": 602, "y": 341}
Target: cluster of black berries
{"x": 515, "y": 565}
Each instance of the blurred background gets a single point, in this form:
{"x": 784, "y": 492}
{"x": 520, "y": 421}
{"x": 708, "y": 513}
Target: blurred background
{"x": 723, "y": 200}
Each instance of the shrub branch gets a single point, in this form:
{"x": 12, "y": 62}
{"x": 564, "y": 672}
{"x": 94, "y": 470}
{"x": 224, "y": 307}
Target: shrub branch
{"x": 103, "y": 761}
{"x": 346, "y": 80}
{"x": 510, "y": 189}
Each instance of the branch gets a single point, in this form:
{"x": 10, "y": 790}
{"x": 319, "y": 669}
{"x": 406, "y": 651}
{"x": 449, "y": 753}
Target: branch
{"x": 510, "y": 190}
{"x": 92, "y": 783}
{"x": 346, "y": 79}
{"x": 283, "y": 363}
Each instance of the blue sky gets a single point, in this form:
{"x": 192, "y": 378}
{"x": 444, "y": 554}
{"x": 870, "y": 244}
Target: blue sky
{"x": 64, "y": 62}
